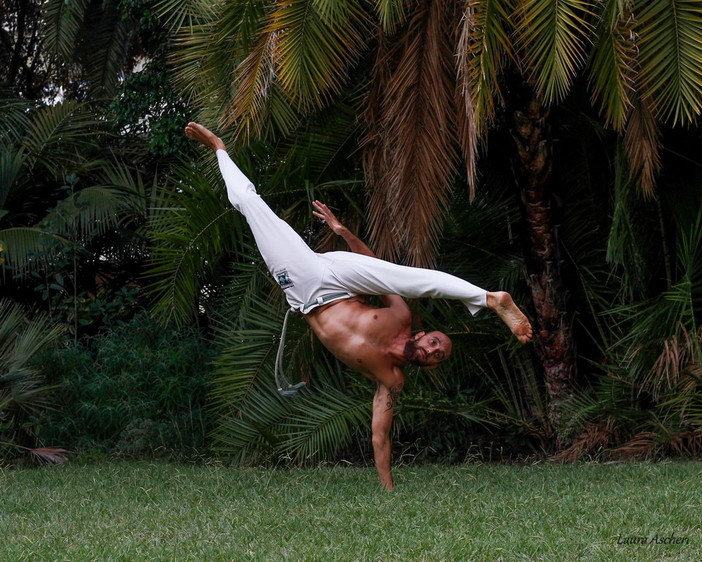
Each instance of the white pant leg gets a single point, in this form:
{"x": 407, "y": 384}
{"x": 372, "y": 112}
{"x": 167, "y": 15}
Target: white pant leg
{"x": 292, "y": 263}
{"x": 366, "y": 275}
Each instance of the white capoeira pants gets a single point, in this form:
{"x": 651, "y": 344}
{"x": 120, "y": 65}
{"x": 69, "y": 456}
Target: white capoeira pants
{"x": 310, "y": 279}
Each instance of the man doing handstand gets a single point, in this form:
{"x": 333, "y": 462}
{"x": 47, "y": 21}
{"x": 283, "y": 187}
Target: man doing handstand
{"x": 328, "y": 290}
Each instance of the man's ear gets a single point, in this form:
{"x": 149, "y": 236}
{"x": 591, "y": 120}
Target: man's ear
{"x": 418, "y": 335}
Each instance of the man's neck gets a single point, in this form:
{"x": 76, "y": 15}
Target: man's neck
{"x": 396, "y": 349}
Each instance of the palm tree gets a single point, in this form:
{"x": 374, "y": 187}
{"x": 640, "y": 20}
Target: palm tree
{"x": 430, "y": 80}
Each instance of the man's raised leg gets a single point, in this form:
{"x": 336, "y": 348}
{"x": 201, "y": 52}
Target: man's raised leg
{"x": 290, "y": 261}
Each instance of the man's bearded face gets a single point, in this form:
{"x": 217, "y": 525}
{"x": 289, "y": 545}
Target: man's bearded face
{"x": 427, "y": 349}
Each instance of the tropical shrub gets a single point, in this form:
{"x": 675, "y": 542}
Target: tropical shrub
{"x": 24, "y": 392}
{"x": 136, "y": 389}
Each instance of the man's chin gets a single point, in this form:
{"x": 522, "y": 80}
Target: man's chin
{"x": 417, "y": 362}
{"x": 413, "y": 356}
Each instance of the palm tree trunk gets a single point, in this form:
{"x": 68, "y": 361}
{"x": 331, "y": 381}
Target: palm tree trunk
{"x": 554, "y": 342}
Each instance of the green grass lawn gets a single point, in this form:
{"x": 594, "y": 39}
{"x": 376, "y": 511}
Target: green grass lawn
{"x": 160, "y": 511}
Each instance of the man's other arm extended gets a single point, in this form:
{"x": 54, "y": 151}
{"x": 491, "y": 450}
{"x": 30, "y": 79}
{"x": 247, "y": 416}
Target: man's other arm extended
{"x": 357, "y": 246}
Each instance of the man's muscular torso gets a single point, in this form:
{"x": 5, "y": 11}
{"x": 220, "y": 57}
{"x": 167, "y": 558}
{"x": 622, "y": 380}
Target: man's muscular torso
{"x": 367, "y": 339}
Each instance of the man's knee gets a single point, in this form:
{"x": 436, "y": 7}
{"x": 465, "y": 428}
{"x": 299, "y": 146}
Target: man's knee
{"x": 242, "y": 199}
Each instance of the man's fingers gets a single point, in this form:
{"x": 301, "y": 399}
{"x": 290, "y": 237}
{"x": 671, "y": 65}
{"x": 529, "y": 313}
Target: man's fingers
{"x": 323, "y": 212}
{"x": 320, "y": 206}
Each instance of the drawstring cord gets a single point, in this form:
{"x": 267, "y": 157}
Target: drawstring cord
{"x": 281, "y": 381}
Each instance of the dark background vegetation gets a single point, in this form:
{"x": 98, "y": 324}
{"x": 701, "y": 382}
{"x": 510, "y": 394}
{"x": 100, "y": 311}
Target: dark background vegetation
{"x": 138, "y": 321}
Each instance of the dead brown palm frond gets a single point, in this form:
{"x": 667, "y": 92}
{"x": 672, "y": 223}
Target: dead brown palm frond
{"x": 49, "y": 455}
{"x": 375, "y": 158}
{"x": 649, "y": 444}
{"x": 595, "y": 437}
{"x": 419, "y": 137}
{"x": 677, "y": 366}
{"x": 42, "y": 455}
{"x": 687, "y": 443}
{"x": 643, "y": 145}
{"x": 467, "y": 125}
{"x": 643, "y": 445}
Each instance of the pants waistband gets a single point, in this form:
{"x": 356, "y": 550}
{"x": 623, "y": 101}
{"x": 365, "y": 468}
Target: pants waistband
{"x": 323, "y": 299}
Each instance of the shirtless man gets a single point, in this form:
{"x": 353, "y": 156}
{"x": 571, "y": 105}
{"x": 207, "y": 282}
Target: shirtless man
{"x": 327, "y": 289}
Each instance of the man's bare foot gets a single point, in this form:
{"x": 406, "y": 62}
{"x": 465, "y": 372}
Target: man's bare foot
{"x": 199, "y": 133}
{"x": 510, "y": 314}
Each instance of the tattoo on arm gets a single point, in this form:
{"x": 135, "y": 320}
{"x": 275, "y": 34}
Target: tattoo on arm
{"x": 393, "y": 395}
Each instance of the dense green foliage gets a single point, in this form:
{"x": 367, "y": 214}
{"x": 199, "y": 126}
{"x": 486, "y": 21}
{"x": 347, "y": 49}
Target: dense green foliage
{"x": 132, "y": 390}
{"x": 105, "y": 208}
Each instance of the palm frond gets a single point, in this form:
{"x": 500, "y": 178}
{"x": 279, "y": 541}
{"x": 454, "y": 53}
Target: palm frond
{"x": 62, "y": 23}
{"x": 376, "y": 157}
{"x": 593, "y": 439}
{"x": 59, "y": 135}
{"x": 21, "y": 388}
{"x": 26, "y": 248}
{"x": 178, "y": 14}
{"x": 392, "y": 14}
{"x": 324, "y": 423}
{"x": 671, "y": 58}
{"x": 14, "y": 120}
{"x": 418, "y": 136}
{"x": 317, "y": 152}
{"x": 483, "y": 49}
{"x": 643, "y": 145}
{"x": 127, "y": 183}
{"x": 12, "y": 164}
{"x": 248, "y": 355}
{"x": 91, "y": 210}
{"x": 108, "y": 35}
{"x": 677, "y": 365}
{"x": 254, "y": 80}
{"x": 313, "y": 51}
{"x": 191, "y": 49}
{"x": 552, "y": 37}
{"x": 194, "y": 230}
{"x": 655, "y": 345}
{"x": 49, "y": 455}
{"x": 248, "y": 437}
{"x": 612, "y": 67}
{"x": 630, "y": 229}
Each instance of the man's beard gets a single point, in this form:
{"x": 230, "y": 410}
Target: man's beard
{"x": 413, "y": 355}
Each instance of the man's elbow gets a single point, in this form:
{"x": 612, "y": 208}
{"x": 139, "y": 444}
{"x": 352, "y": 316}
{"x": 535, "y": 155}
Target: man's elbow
{"x": 380, "y": 440}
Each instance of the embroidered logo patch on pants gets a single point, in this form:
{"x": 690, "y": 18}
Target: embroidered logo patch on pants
{"x": 283, "y": 279}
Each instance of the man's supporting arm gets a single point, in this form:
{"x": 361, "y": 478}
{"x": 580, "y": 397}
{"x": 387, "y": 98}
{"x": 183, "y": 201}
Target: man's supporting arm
{"x": 383, "y": 408}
